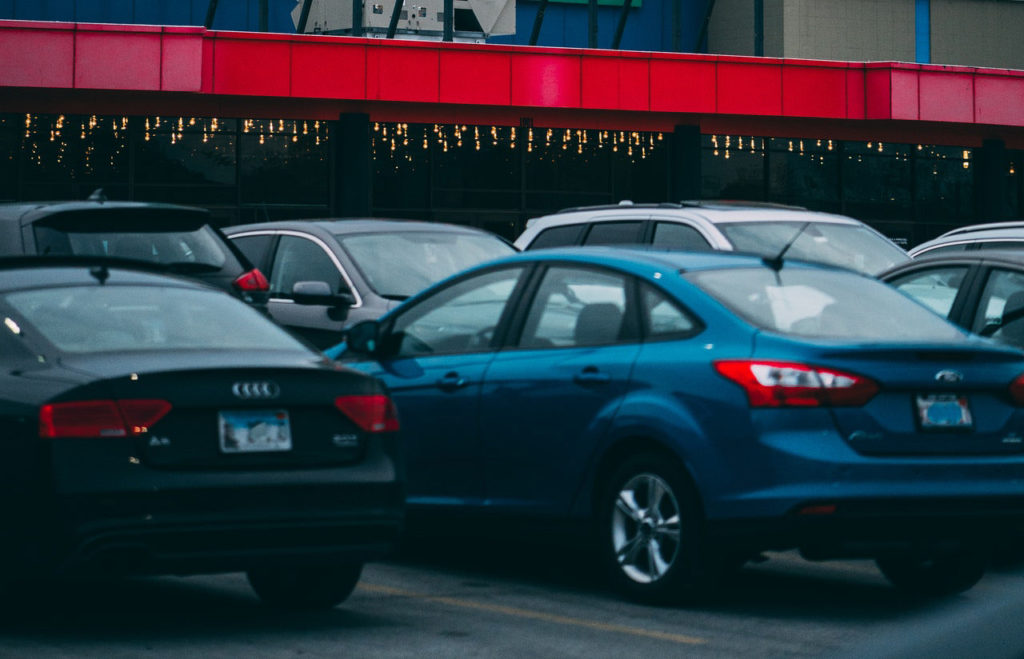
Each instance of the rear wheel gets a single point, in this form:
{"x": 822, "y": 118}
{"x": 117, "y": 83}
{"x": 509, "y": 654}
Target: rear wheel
{"x": 652, "y": 531}
{"x": 316, "y": 586}
{"x": 935, "y": 574}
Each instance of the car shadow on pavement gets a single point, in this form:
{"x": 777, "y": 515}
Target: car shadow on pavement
{"x": 782, "y": 585}
{"x": 155, "y": 610}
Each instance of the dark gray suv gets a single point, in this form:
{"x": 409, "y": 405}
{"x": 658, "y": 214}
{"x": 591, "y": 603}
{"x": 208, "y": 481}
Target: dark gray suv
{"x": 175, "y": 239}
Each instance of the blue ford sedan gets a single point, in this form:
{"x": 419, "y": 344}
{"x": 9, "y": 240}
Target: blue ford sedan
{"x": 693, "y": 410}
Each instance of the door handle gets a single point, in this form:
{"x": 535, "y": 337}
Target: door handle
{"x": 591, "y": 375}
{"x": 451, "y": 381}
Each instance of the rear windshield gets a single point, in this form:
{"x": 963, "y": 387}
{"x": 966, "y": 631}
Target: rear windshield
{"x": 398, "y": 265}
{"x": 851, "y": 246}
{"x": 828, "y": 304}
{"x": 197, "y": 246}
{"x": 93, "y": 319}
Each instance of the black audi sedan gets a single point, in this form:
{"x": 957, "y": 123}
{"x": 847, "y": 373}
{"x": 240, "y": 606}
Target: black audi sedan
{"x": 154, "y": 425}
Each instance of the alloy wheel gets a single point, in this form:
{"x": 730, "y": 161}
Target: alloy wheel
{"x": 646, "y": 528}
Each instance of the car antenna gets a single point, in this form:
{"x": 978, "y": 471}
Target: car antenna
{"x": 97, "y": 195}
{"x": 775, "y": 262}
{"x": 101, "y": 273}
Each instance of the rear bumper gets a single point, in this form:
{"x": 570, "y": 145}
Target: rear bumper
{"x": 204, "y": 531}
{"x": 871, "y": 527}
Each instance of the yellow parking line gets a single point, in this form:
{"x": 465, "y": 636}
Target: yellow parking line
{"x": 536, "y": 615}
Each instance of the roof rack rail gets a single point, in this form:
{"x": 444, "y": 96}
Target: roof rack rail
{"x": 984, "y": 227}
{"x": 625, "y": 203}
{"x": 738, "y": 203}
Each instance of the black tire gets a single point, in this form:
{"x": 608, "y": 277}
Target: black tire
{"x": 305, "y": 587}
{"x": 931, "y": 574}
{"x": 648, "y": 557}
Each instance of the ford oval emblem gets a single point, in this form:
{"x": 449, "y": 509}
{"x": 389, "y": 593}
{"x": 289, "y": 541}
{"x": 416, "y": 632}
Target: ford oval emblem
{"x": 255, "y": 390}
{"x": 949, "y": 376}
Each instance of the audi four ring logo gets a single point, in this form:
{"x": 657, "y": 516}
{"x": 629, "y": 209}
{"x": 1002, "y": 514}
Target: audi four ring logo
{"x": 252, "y": 390}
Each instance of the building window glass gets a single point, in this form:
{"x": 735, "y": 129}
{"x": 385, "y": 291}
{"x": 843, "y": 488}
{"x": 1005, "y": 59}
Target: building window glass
{"x": 732, "y": 167}
{"x": 284, "y": 169}
{"x": 804, "y": 172}
{"x": 943, "y": 188}
{"x": 188, "y": 160}
{"x": 877, "y": 187}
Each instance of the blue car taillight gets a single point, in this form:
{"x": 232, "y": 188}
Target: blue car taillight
{"x": 789, "y": 384}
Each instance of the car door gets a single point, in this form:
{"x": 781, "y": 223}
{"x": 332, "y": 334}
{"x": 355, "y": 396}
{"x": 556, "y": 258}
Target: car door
{"x": 302, "y": 257}
{"x": 442, "y": 346}
{"x": 549, "y": 397}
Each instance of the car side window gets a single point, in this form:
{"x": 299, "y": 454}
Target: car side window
{"x": 300, "y": 259}
{"x": 614, "y": 233}
{"x": 672, "y": 235}
{"x": 461, "y": 318}
{"x": 558, "y": 236}
{"x": 1001, "y": 244}
{"x": 254, "y": 247}
{"x": 577, "y": 307}
{"x": 935, "y": 288}
{"x": 1000, "y": 311}
{"x": 663, "y": 318}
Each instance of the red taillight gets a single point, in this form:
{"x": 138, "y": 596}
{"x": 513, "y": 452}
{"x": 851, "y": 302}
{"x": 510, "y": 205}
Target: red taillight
{"x": 375, "y": 413}
{"x": 786, "y": 384}
{"x": 1017, "y": 390}
{"x": 100, "y": 418}
{"x": 252, "y": 280}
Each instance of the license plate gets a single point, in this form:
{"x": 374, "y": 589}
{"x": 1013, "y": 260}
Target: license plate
{"x": 254, "y": 431}
{"x": 943, "y": 411}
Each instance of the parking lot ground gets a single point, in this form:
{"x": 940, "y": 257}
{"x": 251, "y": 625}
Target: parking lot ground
{"x": 474, "y": 603}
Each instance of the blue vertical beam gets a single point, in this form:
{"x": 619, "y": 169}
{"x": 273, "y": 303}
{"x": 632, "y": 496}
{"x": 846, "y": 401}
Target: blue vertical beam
{"x": 923, "y": 31}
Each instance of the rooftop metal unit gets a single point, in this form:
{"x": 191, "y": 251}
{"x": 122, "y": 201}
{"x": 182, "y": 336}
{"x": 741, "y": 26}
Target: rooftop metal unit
{"x": 471, "y": 21}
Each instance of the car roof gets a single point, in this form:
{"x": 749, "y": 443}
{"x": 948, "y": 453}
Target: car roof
{"x": 337, "y": 226}
{"x": 986, "y": 227}
{"x": 26, "y": 213}
{"x": 713, "y": 211}
{"x": 990, "y": 233}
{"x": 44, "y": 271}
{"x": 1014, "y": 258}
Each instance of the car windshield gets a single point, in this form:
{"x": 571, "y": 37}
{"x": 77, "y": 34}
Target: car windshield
{"x": 398, "y": 265}
{"x": 829, "y": 304}
{"x": 93, "y": 319}
{"x": 199, "y": 246}
{"x": 845, "y": 245}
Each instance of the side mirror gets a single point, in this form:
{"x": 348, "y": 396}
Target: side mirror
{"x": 319, "y": 292}
{"x": 363, "y": 337}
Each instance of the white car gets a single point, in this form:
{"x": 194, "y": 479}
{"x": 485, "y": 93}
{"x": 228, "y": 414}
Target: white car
{"x": 764, "y": 229}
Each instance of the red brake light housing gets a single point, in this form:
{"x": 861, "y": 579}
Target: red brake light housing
{"x": 790, "y": 384}
{"x": 252, "y": 281}
{"x": 373, "y": 413}
{"x": 100, "y": 418}
{"x": 1017, "y": 390}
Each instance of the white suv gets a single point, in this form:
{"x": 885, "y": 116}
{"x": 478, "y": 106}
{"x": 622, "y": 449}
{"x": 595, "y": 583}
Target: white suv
{"x": 763, "y": 229}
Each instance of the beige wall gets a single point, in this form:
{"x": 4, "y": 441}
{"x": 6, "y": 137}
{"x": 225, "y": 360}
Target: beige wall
{"x": 731, "y": 30}
{"x": 978, "y": 33}
{"x": 855, "y": 30}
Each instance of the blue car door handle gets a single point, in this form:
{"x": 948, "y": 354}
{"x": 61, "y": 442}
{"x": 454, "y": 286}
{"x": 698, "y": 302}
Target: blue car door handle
{"x": 591, "y": 375}
{"x": 451, "y": 381}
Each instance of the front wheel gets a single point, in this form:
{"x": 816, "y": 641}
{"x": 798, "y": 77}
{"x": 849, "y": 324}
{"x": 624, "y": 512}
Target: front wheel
{"x": 934, "y": 574}
{"x": 316, "y": 586}
{"x": 652, "y": 531}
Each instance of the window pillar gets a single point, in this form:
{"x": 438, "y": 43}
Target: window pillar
{"x": 353, "y": 176}
{"x": 684, "y": 167}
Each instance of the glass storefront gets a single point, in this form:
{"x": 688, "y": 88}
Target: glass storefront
{"x": 494, "y": 177}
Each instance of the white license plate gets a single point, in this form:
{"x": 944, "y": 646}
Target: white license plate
{"x": 944, "y": 411}
{"x": 254, "y": 431}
